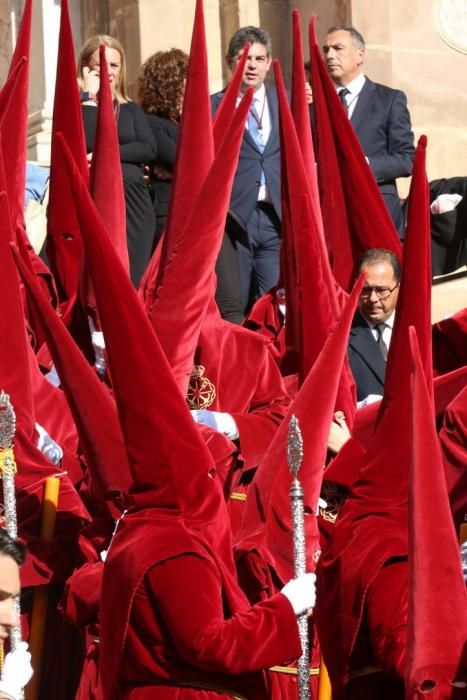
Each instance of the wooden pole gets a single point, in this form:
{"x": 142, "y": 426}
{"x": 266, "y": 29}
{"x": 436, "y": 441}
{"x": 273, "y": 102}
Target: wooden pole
{"x": 324, "y": 688}
{"x": 41, "y": 593}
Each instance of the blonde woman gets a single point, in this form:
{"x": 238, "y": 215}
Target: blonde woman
{"x": 137, "y": 146}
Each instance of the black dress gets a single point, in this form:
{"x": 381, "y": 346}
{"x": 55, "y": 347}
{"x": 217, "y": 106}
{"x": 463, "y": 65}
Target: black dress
{"x": 137, "y": 147}
{"x": 165, "y": 133}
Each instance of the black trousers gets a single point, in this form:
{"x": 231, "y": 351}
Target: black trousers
{"x": 259, "y": 259}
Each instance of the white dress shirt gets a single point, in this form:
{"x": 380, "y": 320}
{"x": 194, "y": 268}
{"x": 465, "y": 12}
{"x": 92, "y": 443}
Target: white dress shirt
{"x": 260, "y": 103}
{"x": 355, "y": 88}
{"x": 387, "y": 332}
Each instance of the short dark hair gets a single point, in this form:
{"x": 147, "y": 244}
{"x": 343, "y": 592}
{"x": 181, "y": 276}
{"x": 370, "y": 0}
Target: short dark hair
{"x": 248, "y": 35}
{"x": 357, "y": 38}
{"x": 12, "y": 548}
{"x": 379, "y": 255}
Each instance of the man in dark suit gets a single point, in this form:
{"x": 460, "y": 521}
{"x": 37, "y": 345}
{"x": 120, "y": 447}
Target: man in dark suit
{"x": 378, "y": 114}
{"x": 255, "y": 200}
{"x": 371, "y": 331}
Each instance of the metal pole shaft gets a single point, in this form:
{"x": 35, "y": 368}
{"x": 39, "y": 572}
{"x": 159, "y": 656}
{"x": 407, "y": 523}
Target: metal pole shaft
{"x": 303, "y": 664}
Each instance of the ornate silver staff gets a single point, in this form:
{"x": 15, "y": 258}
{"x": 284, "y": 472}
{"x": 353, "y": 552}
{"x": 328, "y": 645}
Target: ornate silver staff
{"x": 294, "y": 458}
{"x": 8, "y": 471}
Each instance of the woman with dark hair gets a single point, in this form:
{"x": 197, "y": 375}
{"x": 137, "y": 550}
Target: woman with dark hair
{"x": 161, "y": 88}
{"x": 137, "y": 146}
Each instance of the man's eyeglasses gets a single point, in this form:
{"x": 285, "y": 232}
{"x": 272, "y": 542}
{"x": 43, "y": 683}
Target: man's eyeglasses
{"x": 381, "y": 292}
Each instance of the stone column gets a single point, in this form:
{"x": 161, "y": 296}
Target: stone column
{"x": 419, "y": 47}
{"x": 43, "y": 68}
{"x": 6, "y": 39}
{"x": 46, "y": 22}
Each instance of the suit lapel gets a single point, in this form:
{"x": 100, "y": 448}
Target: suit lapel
{"x": 363, "y": 104}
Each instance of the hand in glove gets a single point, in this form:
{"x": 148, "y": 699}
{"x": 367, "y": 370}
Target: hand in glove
{"x": 17, "y": 671}
{"x": 301, "y": 593}
{"x": 463, "y": 551}
{"x": 98, "y": 344}
{"x": 222, "y": 422}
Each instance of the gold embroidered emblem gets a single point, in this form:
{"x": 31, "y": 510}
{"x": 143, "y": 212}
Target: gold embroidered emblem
{"x": 201, "y": 392}
{"x": 335, "y": 498}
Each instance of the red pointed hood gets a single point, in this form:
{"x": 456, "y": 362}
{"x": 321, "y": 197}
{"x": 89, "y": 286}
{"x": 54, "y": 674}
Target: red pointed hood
{"x": 194, "y": 155}
{"x": 150, "y": 281}
{"x": 106, "y": 179}
{"x": 15, "y": 120}
{"x": 315, "y": 306}
{"x": 267, "y": 522}
{"x": 188, "y": 285}
{"x": 15, "y": 377}
{"x": 301, "y": 114}
{"x": 170, "y": 464}
{"x": 437, "y": 615}
{"x": 355, "y": 216}
{"x": 64, "y": 246}
{"x": 89, "y": 401}
{"x": 414, "y": 301}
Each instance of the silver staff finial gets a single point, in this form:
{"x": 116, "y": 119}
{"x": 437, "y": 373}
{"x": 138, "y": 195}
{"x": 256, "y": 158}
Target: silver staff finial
{"x": 7, "y": 422}
{"x": 294, "y": 446}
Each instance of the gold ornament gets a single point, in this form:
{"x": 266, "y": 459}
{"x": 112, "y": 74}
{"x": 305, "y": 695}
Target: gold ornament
{"x": 201, "y": 392}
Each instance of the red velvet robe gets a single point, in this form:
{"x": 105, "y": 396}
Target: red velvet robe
{"x": 249, "y": 386}
{"x": 260, "y": 582}
{"x": 80, "y": 606}
{"x": 247, "y": 382}
{"x": 175, "y": 624}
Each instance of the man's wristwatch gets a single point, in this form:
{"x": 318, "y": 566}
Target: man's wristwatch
{"x": 88, "y": 97}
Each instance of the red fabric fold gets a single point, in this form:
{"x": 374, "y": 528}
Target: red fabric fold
{"x": 437, "y": 619}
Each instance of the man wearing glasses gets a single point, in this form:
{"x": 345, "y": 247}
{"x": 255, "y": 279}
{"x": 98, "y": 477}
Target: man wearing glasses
{"x": 371, "y": 331}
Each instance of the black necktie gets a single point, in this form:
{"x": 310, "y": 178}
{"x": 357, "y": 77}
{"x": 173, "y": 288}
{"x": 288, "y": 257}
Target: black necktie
{"x": 381, "y": 344}
{"x": 342, "y": 94}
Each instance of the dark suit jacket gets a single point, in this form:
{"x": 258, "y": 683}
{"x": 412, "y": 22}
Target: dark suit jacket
{"x": 381, "y": 121}
{"x": 365, "y": 359}
{"x": 251, "y": 161}
{"x": 449, "y": 230}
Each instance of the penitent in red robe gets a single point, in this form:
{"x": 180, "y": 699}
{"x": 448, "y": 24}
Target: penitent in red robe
{"x": 247, "y": 382}
{"x": 182, "y": 628}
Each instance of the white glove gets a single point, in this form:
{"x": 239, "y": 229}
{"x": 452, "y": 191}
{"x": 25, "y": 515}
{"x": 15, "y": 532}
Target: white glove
{"x": 321, "y": 504}
{"x": 98, "y": 344}
{"x": 222, "y": 422}
{"x": 17, "y": 671}
{"x": 48, "y": 446}
{"x": 444, "y": 203}
{"x": 463, "y": 551}
{"x": 301, "y": 593}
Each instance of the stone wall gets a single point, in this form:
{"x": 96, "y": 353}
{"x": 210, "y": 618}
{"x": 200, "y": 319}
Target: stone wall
{"x": 417, "y": 46}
